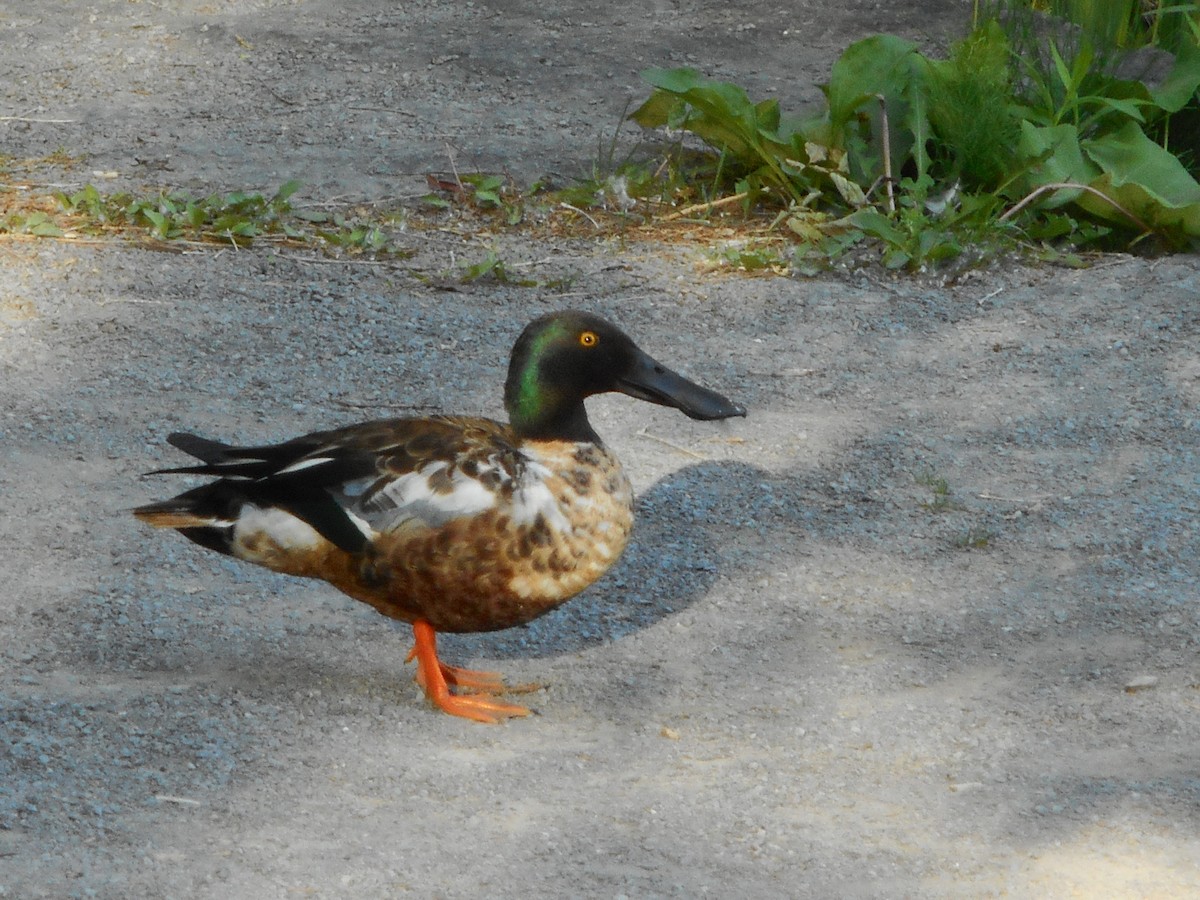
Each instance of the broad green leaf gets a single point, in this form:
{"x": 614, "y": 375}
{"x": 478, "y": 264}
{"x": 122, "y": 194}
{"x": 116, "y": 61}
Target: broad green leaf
{"x": 1130, "y": 108}
{"x": 1053, "y": 154}
{"x": 1183, "y": 81}
{"x": 939, "y": 246}
{"x": 1128, "y": 156}
{"x": 658, "y": 110}
{"x": 721, "y": 115}
{"x": 46, "y": 229}
{"x": 896, "y": 258}
{"x": 876, "y": 69}
{"x": 849, "y": 190}
{"x": 39, "y": 224}
{"x": 1145, "y": 179}
{"x": 877, "y": 225}
{"x": 876, "y": 65}
{"x": 677, "y": 81}
{"x": 157, "y": 219}
{"x": 286, "y": 190}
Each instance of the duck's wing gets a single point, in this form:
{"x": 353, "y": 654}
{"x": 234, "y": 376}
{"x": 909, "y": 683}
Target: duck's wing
{"x": 349, "y": 484}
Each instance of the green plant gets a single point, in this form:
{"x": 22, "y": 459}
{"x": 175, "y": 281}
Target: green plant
{"x": 480, "y": 190}
{"x": 977, "y": 537}
{"x": 494, "y": 268}
{"x": 238, "y": 217}
{"x": 34, "y": 223}
{"x": 924, "y": 232}
{"x": 617, "y": 182}
{"x": 1111, "y": 23}
{"x": 349, "y": 235}
{"x": 749, "y": 257}
{"x": 973, "y": 124}
{"x": 1012, "y": 134}
{"x": 756, "y": 144}
{"x": 941, "y": 499}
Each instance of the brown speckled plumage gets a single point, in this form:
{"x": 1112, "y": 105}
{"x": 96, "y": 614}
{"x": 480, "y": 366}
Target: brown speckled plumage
{"x": 449, "y": 523}
{"x": 500, "y": 572}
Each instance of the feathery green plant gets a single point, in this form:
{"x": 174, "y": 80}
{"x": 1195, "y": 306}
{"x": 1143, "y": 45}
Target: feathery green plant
{"x": 1030, "y": 113}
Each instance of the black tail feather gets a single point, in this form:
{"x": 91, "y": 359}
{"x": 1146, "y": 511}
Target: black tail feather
{"x": 304, "y": 492}
{"x": 223, "y": 460}
{"x": 210, "y": 451}
{"x": 222, "y": 502}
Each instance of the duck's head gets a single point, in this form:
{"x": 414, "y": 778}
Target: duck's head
{"x": 562, "y": 358}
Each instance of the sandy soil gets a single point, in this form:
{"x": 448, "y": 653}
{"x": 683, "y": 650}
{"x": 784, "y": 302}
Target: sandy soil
{"x": 924, "y": 624}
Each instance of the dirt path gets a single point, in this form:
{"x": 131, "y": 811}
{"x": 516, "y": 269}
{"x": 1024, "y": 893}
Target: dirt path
{"x": 924, "y": 624}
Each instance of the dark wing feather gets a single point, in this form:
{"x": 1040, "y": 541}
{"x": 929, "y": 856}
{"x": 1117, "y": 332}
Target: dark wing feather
{"x": 301, "y": 475}
{"x": 210, "y": 451}
{"x": 219, "y": 459}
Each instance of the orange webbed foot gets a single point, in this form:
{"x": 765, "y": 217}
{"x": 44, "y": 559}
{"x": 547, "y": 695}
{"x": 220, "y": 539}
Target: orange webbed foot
{"x": 435, "y": 677}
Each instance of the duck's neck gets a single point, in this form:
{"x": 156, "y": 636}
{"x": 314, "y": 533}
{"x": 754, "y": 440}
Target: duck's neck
{"x": 537, "y": 411}
{"x": 567, "y": 422}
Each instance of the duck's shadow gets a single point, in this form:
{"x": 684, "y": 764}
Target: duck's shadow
{"x": 672, "y": 560}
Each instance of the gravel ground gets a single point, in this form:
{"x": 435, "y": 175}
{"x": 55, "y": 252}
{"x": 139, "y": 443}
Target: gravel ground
{"x": 924, "y": 624}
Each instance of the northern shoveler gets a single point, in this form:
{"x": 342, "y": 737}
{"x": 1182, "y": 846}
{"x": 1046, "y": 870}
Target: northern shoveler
{"x": 448, "y": 523}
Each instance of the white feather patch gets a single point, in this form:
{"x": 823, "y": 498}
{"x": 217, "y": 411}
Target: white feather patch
{"x": 533, "y": 498}
{"x": 362, "y": 525}
{"x": 302, "y": 464}
{"x": 281, "y": 528}
{"x": 410, "y": 497}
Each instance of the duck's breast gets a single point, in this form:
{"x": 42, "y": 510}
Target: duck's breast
{"x": 555, "y": 526}
{"x": 572, "y": 518}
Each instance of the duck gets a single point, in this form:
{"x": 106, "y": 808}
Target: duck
{"x": 449, "y": 523}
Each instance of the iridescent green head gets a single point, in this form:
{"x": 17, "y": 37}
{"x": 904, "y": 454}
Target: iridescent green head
{"x": 562, "y": 358}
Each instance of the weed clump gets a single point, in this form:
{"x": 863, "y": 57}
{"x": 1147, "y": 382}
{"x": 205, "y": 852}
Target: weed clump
{"x": 1032, "y": 132}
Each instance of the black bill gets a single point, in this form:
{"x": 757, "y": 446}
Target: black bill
{"x": 650, "y": 380}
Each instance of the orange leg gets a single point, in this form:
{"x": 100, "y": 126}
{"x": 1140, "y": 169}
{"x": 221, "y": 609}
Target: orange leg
{"x": 436, "y": 677}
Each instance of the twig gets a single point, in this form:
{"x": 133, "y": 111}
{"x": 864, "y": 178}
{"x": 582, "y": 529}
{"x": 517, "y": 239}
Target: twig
{"x": 462, "y": 188}
{"x": 39, "y": 121}
{"x": 1038, "y": 498}
{"x": 985, "y": 299}
{"x": 692, "y": 453}
{"x": 565, "y": 205}
{"x": 874, "y": 184}
{"x": 341, "y": 201}
{"x": 1072, "y": 185}
{"x": 887, "y": 153}
{"x": 286, "y": 101}
{"x": 344, "y": 261}
{"x": 706, "y": 207}
{"x": 385, "y": 109}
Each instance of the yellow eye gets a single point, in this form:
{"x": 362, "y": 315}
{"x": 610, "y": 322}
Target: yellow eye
{"x": 588, "y": 339}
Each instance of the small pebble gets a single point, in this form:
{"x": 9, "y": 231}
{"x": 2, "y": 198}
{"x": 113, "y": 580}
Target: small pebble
{"x": 963, "y": 787}
{"x": 1141, "y": 683}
